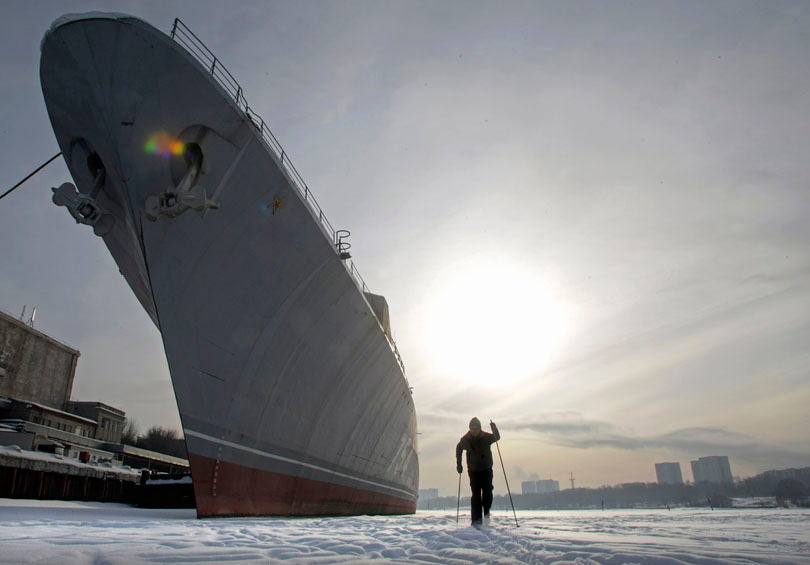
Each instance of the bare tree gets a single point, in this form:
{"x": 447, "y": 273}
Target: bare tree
{"x": 789, "y": 489}
{"x": 164, "y": 440}
{"x": 130, "y": 434}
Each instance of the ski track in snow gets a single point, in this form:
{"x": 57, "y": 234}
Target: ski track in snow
{"x": 97, "y": 533}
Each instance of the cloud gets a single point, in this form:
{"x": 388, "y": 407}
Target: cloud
{"x": 573, "y": 431}
{"x": 523, "y": 475}
{"x": 439, "y": 419}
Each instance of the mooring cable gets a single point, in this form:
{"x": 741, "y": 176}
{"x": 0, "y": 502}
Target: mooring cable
{"x": 42, "y": 166}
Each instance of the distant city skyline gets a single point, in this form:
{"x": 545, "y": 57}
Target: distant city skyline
{"x": 541, "y": 486}
{"x": 712, "y": 469}
{"x": 669, "y": 473}
{"x": 590, "y": 220}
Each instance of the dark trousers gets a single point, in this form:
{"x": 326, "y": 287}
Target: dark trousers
{"x": 481, "y": 485}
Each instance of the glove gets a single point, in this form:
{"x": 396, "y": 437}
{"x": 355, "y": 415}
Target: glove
{"x": 492, "y": 425}
{"x": 459, "y": 468}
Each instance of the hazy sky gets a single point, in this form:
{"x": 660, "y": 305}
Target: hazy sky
{"x": 591, "y": 220}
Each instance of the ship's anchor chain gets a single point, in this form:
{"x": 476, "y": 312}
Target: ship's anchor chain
{"x": 83, "y": 207}
{"x": 189, "y": 194}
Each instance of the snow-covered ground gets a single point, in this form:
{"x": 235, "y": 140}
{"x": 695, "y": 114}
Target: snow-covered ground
{"x": 97, "y": 533}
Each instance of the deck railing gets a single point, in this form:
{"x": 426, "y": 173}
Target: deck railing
{"x": 195, "y": 47}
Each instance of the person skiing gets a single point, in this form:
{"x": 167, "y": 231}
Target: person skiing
{"x": 479, "y": 467}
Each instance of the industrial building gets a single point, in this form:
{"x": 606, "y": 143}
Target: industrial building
{"x": 426, "y": 494}
{"x": 34, "y": 366}
{"x": 713, "y": 469}
{"x": 110, "y": 421}
{"x": 669, "y": 473}
{"x": 547, "y": 485}
{"x": 540, "y": 487}
{"x": 36, "y": 413}
{"x": 28, "y": 411}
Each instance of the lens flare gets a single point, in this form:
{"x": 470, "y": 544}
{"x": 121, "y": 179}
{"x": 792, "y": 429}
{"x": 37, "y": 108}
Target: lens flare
{"x": 163, "y": 144}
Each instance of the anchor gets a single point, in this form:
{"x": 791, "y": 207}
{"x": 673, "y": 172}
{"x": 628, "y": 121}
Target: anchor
{"x": 83, "y": 207}
{"x": 189, "y": 193}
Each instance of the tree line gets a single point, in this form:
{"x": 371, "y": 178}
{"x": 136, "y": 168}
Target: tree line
{"x": 787, "y": 487}
{"x": 161, "y": 439}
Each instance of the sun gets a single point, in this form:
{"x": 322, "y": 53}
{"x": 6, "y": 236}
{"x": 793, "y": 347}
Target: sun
{"x": 491, "y": 322}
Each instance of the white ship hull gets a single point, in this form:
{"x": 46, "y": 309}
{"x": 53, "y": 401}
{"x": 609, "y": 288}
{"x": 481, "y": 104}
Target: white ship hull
{"x": 291, "y": 397}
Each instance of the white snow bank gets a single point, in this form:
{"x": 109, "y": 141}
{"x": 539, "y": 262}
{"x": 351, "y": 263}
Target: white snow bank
{"x": 754, "y": 502}
{"x": 60, "y": 463}
{"x": 75, "y": 532}
{"x": 181, "y": 481}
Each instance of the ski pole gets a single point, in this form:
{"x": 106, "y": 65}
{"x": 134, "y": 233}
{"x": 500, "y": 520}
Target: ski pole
{"x": 458, "y": 500}
{"x": 507, "y": 484}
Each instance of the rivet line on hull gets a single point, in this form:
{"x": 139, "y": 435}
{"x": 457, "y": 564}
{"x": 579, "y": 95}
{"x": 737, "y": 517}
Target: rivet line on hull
{"x": 216, "y": 472}
{"x": 226, "y": 443}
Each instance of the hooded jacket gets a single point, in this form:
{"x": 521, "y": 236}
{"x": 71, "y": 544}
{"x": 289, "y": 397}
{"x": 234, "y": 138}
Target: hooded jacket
{"x": 479, "y": 449}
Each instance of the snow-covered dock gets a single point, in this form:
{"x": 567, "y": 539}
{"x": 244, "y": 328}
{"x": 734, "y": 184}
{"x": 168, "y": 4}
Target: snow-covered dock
{"x": 34, "y": 474}
{"x": 74, "y": 532}
{"x": 14, "y": 457}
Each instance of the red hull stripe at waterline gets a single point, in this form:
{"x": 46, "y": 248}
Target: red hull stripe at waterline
{"x": 227, "y": 489}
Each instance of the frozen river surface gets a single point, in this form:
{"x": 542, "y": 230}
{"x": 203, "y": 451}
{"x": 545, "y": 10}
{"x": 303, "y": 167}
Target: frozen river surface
{"x": 77, "y": 532}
